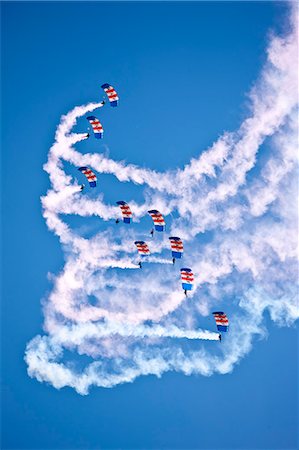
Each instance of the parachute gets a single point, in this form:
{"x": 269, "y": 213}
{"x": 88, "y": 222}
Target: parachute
{"x": 111, "y": 94}
{"x": 187, "y": 279}
{"x": 126, "y": 212}
{"x": 176, "y": 247}
{"x": 142, "y": 248}
{"x": 91, "y": 177}
{"x": 221, "y": 320}
{"x": 96, "y": 126}
{"x": 158, "y": 219}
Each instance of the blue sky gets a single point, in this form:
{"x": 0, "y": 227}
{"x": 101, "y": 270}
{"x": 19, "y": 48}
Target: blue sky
{"x": 184, "y": 72}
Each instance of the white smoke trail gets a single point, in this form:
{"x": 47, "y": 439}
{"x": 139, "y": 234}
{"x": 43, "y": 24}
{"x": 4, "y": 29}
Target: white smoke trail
{"x": 136, "y": 322}
{"x": 75, "y": 334}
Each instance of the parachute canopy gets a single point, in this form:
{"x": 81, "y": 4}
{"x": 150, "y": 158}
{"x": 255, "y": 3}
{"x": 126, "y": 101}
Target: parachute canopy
{"x": 158, "y": 219}
{"x": 96, "y": 126}
{"x": 187, "y": 278}
{"x": 111, "y": 94}
{"x": 221, "y": 320}
{"x": 91, "y": 177}
{"x": 176, "y": 247}
{"x": 142, "y": 248}
{"x": 126, "y": 212}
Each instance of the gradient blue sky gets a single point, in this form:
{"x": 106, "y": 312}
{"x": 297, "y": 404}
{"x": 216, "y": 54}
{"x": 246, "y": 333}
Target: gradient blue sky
{"x": 183, "y": 71}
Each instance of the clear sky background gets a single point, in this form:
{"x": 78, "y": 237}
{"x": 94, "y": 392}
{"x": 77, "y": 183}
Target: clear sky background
{"x": 182, "y": 71}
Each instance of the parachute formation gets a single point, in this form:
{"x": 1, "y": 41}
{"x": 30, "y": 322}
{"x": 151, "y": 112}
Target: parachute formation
{"x": 91, "y": 177}
{"x": 125, "y": 210}
{"x": 176, "y": 243}
{"x": 111, "y": 94}
{"x": 96, "y": 126}
{"x": 158, "y": 219}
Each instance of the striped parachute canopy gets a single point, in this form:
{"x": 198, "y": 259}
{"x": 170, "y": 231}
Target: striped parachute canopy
{"x": 96, "y": 126}
{"x": 125, "y": 210}
{"x": 176, "y": 247}
{"x": 187, "y": 278}
{"x": 91, "y": 177}
{"x": 111, "y": 94}
{"x": 158, "y": 219}
{"x": 142, "y": 248}
{"x": 221, "y": 320}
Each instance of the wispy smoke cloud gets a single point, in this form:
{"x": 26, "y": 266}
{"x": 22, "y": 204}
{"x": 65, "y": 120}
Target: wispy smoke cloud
{"x": 133, "y": 322}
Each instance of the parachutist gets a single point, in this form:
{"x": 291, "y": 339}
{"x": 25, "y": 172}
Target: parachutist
{"x": 222, "y": 322}
{"x": 91, "y": 177}
{"x": 117, "y": 221}
{"x": 140, "y": 265}
{"x": 152, "y": 232}
{"x": 87, "y": 135}
{"x": 97, "y": 127}
{"x": 187, "y": 279}
{"x": 82, "y": 187}
{"x": 176, "y": 247}
{"x": 111, "y": 94}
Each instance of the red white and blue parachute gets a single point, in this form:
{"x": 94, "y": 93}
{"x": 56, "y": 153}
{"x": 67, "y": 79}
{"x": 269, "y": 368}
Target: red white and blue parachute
{"x": 221, "y": 320}
{"x": 176, "y": 247}
{"x": 158, "y": 219}
{"x": 142, "y": 248}
{"x": 91, "y": 177}
{"x": 187, "y": 278}
{"x": 96, "y": 126}
{"x": 111, "y": 94}
{"x": 125, "y": 210}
